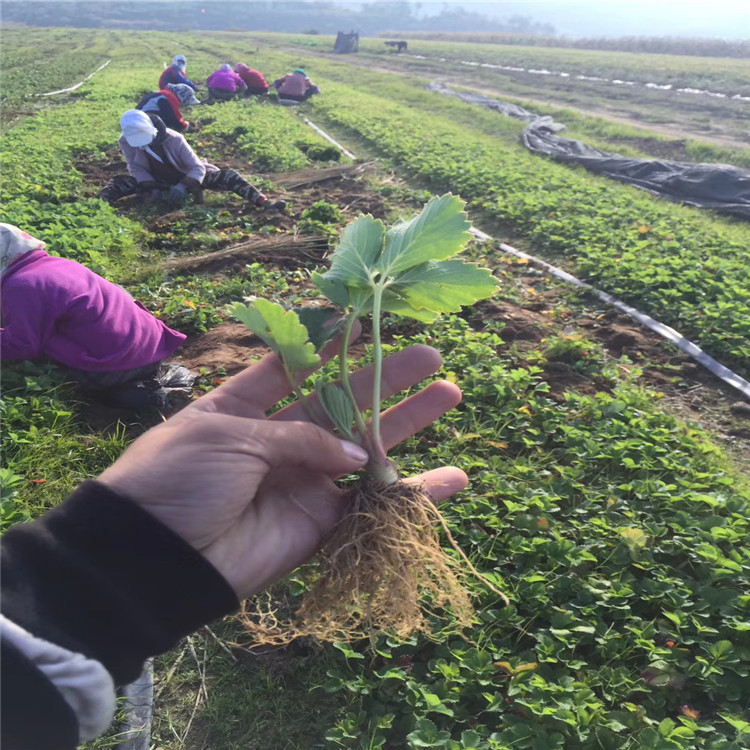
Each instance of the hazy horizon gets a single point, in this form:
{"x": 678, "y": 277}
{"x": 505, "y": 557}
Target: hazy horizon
{"x": 724, "y": 19}
{"x": 728, "y": 19}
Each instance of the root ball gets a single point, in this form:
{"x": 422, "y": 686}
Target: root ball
{"x": 382, "y": 570}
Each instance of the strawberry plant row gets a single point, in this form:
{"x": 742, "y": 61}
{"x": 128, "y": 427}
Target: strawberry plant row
{"x": 684, "y": 267}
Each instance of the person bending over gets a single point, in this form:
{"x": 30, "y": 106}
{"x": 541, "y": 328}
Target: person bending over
{"x": 256, "y": 82}
{"x": 224, "y": 84}
{"x": 167, "y": 103}
{"x": 175, "y": 73}
{"x": 55, "y": 308}
{"x": 296, "y": 86}
{"x": 210, "y": 507}
{"x": 160, "y": 161}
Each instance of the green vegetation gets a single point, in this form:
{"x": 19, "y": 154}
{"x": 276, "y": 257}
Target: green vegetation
{"x": 620, "y": 533}
{"x": 637, "y": 44}
{"x": 684, "y": 267}
{"x": 720, "y": 74}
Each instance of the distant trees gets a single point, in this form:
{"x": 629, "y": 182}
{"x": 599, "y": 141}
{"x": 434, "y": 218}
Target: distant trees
{"x": 323, "y": 17}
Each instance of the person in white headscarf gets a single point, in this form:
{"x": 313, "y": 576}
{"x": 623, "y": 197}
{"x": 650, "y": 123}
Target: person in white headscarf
{"x": 160, "y": 160}
{"x": 14, "y": 243}
{"x": 175, "y": 73}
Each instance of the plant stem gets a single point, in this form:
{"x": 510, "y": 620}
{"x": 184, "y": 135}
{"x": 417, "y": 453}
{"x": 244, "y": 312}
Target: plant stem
{"x": 378, "y": 454}
{"x": 346, "y": 385}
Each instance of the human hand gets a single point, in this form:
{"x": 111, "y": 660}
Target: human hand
{"x": 256, "y": 495}
{"x": 176, "y": 195}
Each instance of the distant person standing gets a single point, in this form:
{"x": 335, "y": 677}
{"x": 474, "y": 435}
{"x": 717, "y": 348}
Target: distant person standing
{"x": 296, "y": 86}
{"x": 167, "y": 104}
{"x": 175, "y": 73}
{"x": 254, "y": 79}
{"x": 224, "y": 83}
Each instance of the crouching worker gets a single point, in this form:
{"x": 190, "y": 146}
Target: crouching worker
{"x": 175, "y": 73}
{"x": 296, "y": 86}
{"x": 224, "y": 84}
{"x": 167, "y": 103}
{"x": 160, "y": 160}
{"x": 254, "y": 79}
{"x": 55, "y": 308}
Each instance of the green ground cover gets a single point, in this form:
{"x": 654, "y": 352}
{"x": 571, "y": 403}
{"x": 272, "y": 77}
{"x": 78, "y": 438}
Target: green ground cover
{"x": 683, "y": 266}
{"x": 724, "y": 75}
{"x": 679, "y": 115}
{"x": 620, "y": 533}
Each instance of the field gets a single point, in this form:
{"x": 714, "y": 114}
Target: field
{"x": 608, "y": 496}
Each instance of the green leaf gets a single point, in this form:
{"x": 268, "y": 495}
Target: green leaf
{"x": 442, "y": 287}
{"x": 349, "y": 282}
{"x": 740, "y": 724}
{"x": 337, "y": 406}
{"x": 666, "y": 727}
{"x": 358, "y": 250}
{"x": 319, "y": 323}
{"x": 438, "y": 232}
{"x": 334, "y": 290}
{"x": 282, "y": 331}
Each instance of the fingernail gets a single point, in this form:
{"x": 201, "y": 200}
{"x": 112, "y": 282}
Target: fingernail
{"x": 355, "y": 452}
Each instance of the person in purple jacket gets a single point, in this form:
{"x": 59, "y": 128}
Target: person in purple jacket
{"x": 160, "y": 160}
{"x": 175, "y": 73}
{"x": 224, "y": 84}
{"x": 55, "y": 308}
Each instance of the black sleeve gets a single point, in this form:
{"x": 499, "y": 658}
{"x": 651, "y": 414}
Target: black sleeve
{"x": 167, "y": 114}
{"x": 34, "y": 715}
{"x": 100, "y": 576}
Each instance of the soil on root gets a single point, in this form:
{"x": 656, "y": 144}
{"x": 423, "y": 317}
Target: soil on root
{"x": 382, "y": 570}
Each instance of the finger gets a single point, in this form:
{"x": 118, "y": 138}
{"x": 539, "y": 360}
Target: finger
{"x": 441, "y": 483}
{"x": 297, "y": 444}
{"x": 252, "y": 392}
{"x": 418, "y": 411}
{"x": 401, "y": 370}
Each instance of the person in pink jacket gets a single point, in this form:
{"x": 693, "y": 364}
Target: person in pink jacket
{"x": 296, "y": 86}
{"x": 160, "y": 160}
{"x": 55, "y": 308}
{"x": 224, "y": 83}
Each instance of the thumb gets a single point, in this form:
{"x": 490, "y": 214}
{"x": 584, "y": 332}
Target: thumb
{"x": 302, "y": 444}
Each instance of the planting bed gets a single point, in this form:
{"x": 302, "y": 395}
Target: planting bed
{"x": 605, "y": 494}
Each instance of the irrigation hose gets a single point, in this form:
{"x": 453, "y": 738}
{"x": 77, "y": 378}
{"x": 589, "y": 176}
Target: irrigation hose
{"x": 78, "y": 85}
{"x": 729, "y": 377}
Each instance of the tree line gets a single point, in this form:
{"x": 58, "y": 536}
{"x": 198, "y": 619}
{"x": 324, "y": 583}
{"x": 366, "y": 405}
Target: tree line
{"x": 311, "y": 17}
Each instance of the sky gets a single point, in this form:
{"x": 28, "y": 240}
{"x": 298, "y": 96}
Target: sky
{"x": 700, "y": 18}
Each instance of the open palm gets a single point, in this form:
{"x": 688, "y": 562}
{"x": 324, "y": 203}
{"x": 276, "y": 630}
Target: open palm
{"x": 256, "y": 495}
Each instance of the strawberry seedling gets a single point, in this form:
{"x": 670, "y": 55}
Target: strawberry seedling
{"x": 383, "y": 565}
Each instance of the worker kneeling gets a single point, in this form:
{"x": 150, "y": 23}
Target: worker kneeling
{"x": 55, "y": 308}
{"x": 160, "y": 160}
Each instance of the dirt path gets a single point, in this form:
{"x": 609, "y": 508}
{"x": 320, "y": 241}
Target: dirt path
{"x": 467, "y": 81}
